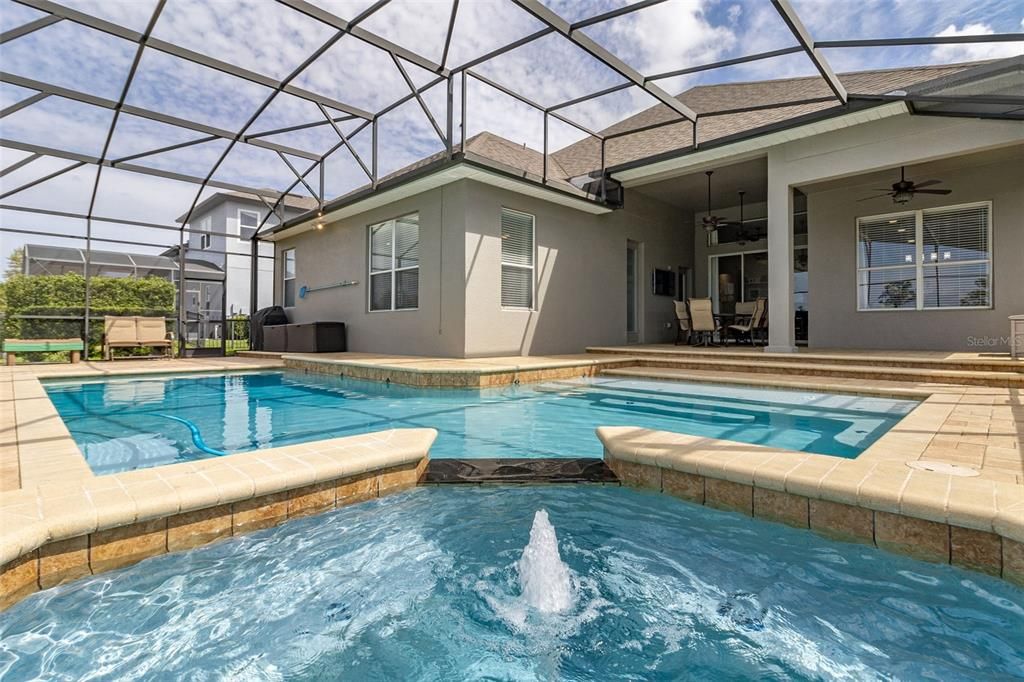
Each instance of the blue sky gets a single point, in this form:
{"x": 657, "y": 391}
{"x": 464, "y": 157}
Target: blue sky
{"x": 271, "y": 38}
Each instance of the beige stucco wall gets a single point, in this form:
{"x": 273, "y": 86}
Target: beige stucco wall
{"x": 581, "y": 276}
{"x": 339, "y": 252}
{"x": 834, "y": 319}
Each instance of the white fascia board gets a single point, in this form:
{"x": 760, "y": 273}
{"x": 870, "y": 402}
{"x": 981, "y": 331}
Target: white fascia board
{"x": 751, "y": 148}
{"x": 435, "y": 180}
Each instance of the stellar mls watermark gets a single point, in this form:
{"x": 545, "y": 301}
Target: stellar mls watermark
{"x": 987, "y": 341}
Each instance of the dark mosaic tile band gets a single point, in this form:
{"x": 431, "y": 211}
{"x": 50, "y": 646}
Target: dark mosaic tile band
{"x": 560, "y": 470}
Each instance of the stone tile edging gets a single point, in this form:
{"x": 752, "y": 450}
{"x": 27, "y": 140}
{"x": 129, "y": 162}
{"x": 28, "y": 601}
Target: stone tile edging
{"x": 104, "y": 522}
{"x": 495, "y": 374}
{"x": 974, "y": 522}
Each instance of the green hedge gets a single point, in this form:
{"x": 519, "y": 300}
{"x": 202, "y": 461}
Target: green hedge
{"x": 64, "y": 295}
{"x": 68, "y": 291}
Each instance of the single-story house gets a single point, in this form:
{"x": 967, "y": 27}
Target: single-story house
{"x": 490, "y": 251}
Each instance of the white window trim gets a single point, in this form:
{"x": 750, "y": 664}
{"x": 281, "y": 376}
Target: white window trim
{"x": 532, "y": 268}
{"x": 205, "y": 228}
{"x": 370, "y": 272}
{"x": 286, "y": 278}
{"x": 919, "y": 263}
{"x": 238, "y": 218}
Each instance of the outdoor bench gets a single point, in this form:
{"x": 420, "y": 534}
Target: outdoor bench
{"x": 12, "y": 346}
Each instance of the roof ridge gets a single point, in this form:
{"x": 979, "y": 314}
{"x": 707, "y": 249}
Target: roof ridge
{"x": 923, "y": 67}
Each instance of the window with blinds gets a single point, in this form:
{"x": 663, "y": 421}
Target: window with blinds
{"x": 517, "y": 259}
{"x": 395, "y": 264}
{"x": 288, "y": 278}
{"x": 929, "y": 259}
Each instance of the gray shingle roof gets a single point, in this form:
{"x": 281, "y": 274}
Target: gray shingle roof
{"x": 517, "y": 157}
{"x": 584, "y": 156}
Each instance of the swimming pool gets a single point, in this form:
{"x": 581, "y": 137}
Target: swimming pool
{"x": 426, "y": 585}
{"x": 123, "y": 424}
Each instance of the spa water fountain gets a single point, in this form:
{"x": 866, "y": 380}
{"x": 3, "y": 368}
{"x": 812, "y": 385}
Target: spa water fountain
{"x": 543, "y": 576}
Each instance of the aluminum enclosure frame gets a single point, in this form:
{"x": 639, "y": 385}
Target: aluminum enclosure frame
{"x": 335, "y": 112}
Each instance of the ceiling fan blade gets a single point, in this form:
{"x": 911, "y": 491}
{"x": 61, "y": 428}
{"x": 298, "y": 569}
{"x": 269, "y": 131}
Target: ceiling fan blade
{"x": 877, "y": 196}
{"x": 882, "y": 189}
{"x": 933, "y": 191}
{"x": 927, "y": 183}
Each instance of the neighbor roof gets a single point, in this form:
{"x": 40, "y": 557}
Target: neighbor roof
{"x": 48, "y": 256}
{"x": 585, "y": 156}
{"x": 290, "y": 201}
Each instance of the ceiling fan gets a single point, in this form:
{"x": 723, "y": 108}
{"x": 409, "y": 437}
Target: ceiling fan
{"x": 712, "y": 222}
{"x": 904, "y": 190}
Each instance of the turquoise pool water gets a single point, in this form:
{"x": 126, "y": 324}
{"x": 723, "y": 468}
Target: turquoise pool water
{"x": 124, "y": 424}
{"x": 424, "y": 586}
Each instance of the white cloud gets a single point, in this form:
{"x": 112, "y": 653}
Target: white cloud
{"x": 975, "y": 51}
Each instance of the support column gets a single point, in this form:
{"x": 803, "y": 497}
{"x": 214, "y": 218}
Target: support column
{"x": 254, "y": 273}
{"x": 781, "y": 323}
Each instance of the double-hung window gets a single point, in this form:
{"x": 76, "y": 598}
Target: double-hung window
{"x": 248, "y": 221}
{"x": 517, "y": 259}
{"x": 395, "y": 264}
{"x": 937, "y": 258}
{"x": 288, "y": 277}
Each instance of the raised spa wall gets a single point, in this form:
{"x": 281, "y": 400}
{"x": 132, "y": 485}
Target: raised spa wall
{"x": 58, "y": 532}
{"x": 443, "y": 374}
{"x": 968, "y": 522}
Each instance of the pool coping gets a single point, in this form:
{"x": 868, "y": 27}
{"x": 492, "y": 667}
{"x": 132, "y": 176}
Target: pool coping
{"x": 58, "y": 531}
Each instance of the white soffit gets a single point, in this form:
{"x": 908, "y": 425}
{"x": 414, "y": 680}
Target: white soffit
{"x": 444, "y": 177}
{"x": 744, "y": 150}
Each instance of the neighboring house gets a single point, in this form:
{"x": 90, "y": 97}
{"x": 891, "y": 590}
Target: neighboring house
{"x": 220, "y": 229}
{"x": 476, "y": 255}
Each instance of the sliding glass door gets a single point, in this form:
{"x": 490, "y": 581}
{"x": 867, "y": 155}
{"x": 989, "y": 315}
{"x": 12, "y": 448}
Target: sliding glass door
{"x": 743, "y": 277}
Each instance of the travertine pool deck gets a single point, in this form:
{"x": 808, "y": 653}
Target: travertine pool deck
{"x": 58, "y": 521}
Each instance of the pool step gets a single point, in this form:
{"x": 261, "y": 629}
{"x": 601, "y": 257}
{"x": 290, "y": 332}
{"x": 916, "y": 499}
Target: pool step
{"x": 450, "y": 471}
{"x": 878, "y": 361}
{"x": 810, "y": 368}
{"x": 872, "y": 373}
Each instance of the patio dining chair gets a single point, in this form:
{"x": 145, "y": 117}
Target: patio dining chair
{"x": 702, "y": 320}
{"x": 682, "y": 322}
{"x": 754, "y": 325}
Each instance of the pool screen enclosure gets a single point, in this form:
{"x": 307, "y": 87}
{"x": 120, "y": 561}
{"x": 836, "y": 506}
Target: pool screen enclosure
{"x": 292, "y": 98}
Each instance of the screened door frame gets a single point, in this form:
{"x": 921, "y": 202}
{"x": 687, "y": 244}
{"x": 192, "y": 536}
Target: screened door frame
{"x": 919, "y": 264}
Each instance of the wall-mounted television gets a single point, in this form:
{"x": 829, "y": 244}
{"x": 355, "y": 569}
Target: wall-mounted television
{"x": 663, "y": 282}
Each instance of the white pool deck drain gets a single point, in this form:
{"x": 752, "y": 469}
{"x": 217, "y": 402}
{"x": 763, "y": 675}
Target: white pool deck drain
{"x": 943, "y": 468}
